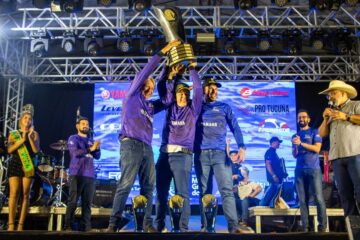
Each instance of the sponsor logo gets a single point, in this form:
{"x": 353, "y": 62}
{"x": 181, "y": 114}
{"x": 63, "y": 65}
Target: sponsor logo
{"x": 271, "y": 125}
{"x": 114, "y": 94}
{"x": 178, "y": 123}
{"x": 209, "y": 124}
{"x": 105, "y": 94}
{"x": 106, "y": 108}
{"x": 247, "y": 92}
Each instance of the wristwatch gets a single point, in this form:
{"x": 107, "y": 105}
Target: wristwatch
{"x": 348, "y": 117}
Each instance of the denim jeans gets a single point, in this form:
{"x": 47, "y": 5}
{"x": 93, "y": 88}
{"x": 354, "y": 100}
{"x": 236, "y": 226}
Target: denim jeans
{"x": 84, "y": 187}
{"x": 270, "y": 194}
{"x": 213, "y": 162}
{"x": 347, "y": 176}
{"x": 178, "y": 166}
{"x": 242, "y": 207}
{"x": 136, "y": 158}
{"x": 308, "y": 182}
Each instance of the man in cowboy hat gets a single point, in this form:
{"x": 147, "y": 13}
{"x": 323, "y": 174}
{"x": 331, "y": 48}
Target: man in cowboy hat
{"x": 342, "y": 124}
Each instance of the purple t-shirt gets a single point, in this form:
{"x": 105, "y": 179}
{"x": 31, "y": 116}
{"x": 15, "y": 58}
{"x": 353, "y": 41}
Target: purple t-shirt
{"x": 180, "y": 124}
{"x": 137, "y": 113}
{"x": 81, "y": 160}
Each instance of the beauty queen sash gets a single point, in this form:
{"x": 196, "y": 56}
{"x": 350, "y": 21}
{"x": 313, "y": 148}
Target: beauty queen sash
{"x": 27, "y": 164}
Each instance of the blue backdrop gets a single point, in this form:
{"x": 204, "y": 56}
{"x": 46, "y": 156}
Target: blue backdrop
{"x": 263, "y": 110}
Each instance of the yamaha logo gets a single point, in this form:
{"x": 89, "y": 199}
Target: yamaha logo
{"x": 105, "y": 94}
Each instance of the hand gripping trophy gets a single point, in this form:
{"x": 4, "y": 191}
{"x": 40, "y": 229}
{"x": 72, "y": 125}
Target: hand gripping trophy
{"x": 171, "y": 22}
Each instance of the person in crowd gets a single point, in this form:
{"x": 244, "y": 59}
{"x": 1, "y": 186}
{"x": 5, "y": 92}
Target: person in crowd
{"x": 341, "y": 122}
{"x": 136, "y": 155}
{"x": 82, "y": 151}
{"x": 175, "y": 160}
{"x": 23, "y": 145}
{"x": 210, "y": 151}
{"x": 275, "y": 173}
{"x": 306, "y": 148}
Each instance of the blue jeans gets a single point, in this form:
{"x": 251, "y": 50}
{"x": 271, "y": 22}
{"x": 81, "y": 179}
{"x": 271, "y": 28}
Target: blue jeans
{"x": 347, "y": 176}
{"x": 213, "y": 162}
{"x": 242, "y": 207}
{"x": 136, "y": 158}
{"x": 270, "y": 194}
{"x": 178, "y": 166}
{"x": 84, "y": 187}
{"x": 308, "y": 182}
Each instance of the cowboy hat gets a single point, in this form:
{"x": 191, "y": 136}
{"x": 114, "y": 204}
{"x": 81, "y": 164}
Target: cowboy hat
{"x": 342, "y": 86}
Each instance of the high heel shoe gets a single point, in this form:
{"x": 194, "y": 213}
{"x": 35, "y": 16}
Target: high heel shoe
{"x": 20, "y": 227}
{"x": 11, "y": 227}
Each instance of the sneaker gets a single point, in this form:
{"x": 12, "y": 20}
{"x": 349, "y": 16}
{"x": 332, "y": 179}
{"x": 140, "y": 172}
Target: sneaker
{"x": 110, "y": 229}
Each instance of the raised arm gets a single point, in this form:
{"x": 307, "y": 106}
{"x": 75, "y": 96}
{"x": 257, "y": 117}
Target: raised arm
{"x": 197, "y": 91}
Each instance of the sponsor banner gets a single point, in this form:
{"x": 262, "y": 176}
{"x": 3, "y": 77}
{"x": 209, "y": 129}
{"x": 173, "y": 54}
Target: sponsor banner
{"x": 263, "y": 110}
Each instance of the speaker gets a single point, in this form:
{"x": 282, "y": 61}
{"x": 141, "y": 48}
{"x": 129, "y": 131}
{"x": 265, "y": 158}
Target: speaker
{"x": 353, "y": 227}
{"x": 104, "y": 193}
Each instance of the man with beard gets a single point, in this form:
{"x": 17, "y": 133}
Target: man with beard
{"x": 82, "y": 151}
{"x": 306, "y": 148}
{"x": 210, "y": 156}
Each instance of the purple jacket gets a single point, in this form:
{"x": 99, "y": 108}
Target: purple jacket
{"x": 81, "y": 160}
{"x": 180, "y": 124}
{"x": 137, "y": 113}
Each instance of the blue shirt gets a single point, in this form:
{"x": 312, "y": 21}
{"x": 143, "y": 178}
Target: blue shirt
{"x": 81, "y": 160}
{"x": 307, "y": 159}
{"x": 137, "y": 113}
{"x": 180, "y": 122}
{"x": 276, "y": 164}
{"x": 211, "y": 127}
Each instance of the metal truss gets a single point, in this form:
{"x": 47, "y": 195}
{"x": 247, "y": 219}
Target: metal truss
{"x": 236, "y": 68}
{"x": 112, "y": 20}
{"x": 14, "y": 102}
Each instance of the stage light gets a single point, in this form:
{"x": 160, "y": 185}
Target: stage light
{"x": 148, "y": 49}
{"x": 280, "y": 3}
{"x": 140, "y": 5}
{"x": 7, "y": 6}
{"x": 205, "y": 37}
{"x": 292, "y": 41}
{"x": 351, "y": 3}
{"x": 245, "y": 4}
{"x": 317, "y": 39}
{"x": 106, "y": 3}
{"x": 342, "y": 42}
{"x": 334, "y": 5}
{"x": 68, "y": 42}
{"x": 124, "y": 45}
{"x": 230, "y": 47}
{"x": 264, "y": 42}
{"x": 93, "y": 43}
{"x": 68, "y": 6}
{"x": 318, "y": 4}
{"x": 39, "y": 44}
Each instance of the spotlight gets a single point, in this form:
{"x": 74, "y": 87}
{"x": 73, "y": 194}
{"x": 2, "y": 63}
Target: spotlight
{"x": 351, "y": 3}
{"x": 334, "y": 5}
{"x": 148, "y": 49}
{"x": 318, "y": 4}
{"x": 229, "y": 47}
{"x": 317, "y": 39}
{"x": 106, "y": 3}
{"x": 124, "y": 43}
{"x": 93, "y": 43}
{"x": 140, "y": 5}
{"x": 342, "y": 42}
{"x": 264, "y": 42}
{"x": 68, "y": 42}
{"x": 292, "y": 41}
{"x": 280, "y": 3}
{"x": 68, "y": 6}
{"x": 245, "y": 4}
{"x": 39, "y": 45}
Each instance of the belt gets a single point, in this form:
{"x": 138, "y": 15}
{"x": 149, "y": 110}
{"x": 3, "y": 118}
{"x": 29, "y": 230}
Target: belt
{"x": 170, "y": 148}
{"x": 211, "y": 150}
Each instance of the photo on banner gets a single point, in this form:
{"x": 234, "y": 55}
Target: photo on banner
{"x": 263, "y": 110}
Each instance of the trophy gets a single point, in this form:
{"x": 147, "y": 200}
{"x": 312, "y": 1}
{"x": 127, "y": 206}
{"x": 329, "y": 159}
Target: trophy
{"x": 139, "y": 206}
{"x": 171, "y": 22}
{"x": 176, "y": 204}
{"x": 209, "y": 205}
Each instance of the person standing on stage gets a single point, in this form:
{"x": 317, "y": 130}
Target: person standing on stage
{"x": 82, "y": 151}
{"x": 342, "y": 124}
{"x": 275, "y": 172}
{"x": 136, "y": 155}
{"x": 23, "y": 144}
{"x": 2, "y": 146}
{"x": 210, "y": 151}
{"x": 175, "y": 160}
{"x": 306, "y": 148}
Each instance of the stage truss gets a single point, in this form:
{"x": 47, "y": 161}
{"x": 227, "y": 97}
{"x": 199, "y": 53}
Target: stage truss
{"x": 17, "y": 65}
